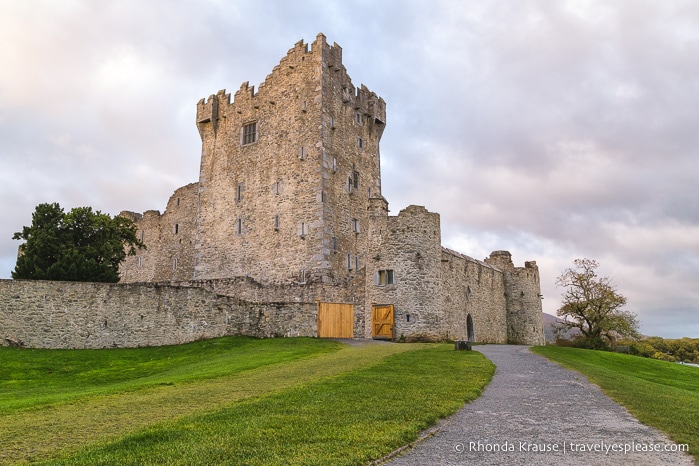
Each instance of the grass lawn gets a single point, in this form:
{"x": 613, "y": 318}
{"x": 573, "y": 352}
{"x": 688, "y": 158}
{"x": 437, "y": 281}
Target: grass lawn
{"x": 660, "y": 394}
{"x": 229, "y": 401}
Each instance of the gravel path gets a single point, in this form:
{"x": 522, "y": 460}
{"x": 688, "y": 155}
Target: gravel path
{"x": 533, "y": 404}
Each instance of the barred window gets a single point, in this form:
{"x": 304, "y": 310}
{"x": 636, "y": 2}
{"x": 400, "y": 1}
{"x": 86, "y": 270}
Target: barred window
{"x": 249, "y": 133}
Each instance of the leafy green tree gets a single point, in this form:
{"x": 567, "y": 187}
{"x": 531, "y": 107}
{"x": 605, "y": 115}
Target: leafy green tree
{"x": 592, "y": 305}
{"x": 81, "y": 245}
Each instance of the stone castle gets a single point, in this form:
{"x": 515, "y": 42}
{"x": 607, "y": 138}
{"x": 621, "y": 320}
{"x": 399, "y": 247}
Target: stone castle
{"x": 288, "y": 209}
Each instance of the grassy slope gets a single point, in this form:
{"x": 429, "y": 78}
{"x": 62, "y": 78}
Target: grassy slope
{"x": 174, "y": 412}
{"x": 661, "y": 394}
{"x": 32, "y": 377}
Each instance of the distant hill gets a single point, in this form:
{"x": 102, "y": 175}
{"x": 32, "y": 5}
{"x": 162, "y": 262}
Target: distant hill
{"x": 550, "y": 325}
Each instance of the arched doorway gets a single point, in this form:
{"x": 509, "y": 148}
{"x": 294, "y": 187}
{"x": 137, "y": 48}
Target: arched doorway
{"x": 469, "y": 329}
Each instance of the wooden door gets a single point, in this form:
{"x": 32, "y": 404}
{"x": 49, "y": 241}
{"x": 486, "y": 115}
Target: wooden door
{"x": 382, "y": 321}
{"x": 335, "y": 320}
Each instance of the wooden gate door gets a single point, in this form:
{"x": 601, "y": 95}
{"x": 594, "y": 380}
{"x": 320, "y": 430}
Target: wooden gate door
{"x": 335, "y": 320}
{"x": 382, "y": 322}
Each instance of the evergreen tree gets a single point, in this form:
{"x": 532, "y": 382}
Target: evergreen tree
{"x": 81, "y": 245}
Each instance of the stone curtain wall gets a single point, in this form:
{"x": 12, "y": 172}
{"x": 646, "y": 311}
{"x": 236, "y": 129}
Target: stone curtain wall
{"x": 476, "y": 288}
{"x": 48, "y": 314}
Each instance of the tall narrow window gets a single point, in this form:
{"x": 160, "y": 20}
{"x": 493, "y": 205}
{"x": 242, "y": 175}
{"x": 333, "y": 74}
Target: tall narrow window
{"x": 239, "y": 226}
{"x": 302, "y": 152}
{"x": 302, "y": 229}
{"x": 174, "y": 264}
{"x": 140, "y": 261}
{"x": 360, "y": 143}
{"x": 349, "y": 261}
{"x": 333, "y": 243}
{"x": 239, "y": 192}
{"x": 277, "y": 188}
{"x": 355, "y": 225}
{"x": 277, "y": 222}
{"x": 176, "y": 229}
{"x": 358, "y": 118}
{"x": 249, "y": 133}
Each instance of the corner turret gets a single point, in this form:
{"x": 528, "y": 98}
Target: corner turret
{"x": 525, "y": 325}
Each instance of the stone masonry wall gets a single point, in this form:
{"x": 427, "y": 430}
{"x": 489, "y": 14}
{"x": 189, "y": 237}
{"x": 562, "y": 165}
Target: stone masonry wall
{"x": 48, "y": 314}
{"x": 525, "y": 324}
{"x": 471, "y": 287}
{"x": 169, "y": 240}
{"x": 409, "y": 246}
{"x": 247, "y": 289}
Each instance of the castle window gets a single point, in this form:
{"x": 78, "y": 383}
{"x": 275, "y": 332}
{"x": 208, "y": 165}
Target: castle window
{"x": 302, "y": 277}
{"x": 333, "y": 243}
{"x": 334, "y": 165}
{"x": 277, "y": 222}
{"x": 239, "y": 192}
{"x": 302, "y": 229}
{"x": 140, "y": 261}
{"x": 356, "y": 262}
{"x": 249, "y": 134}
{"x": 239, "y": 226}
{"x": 358, "y": 118}
{"x": 277, "y": 188}
{"x": 349, "y": 261}
{"x": 332, "y": 122}
{"x": 302, "y": 152}
{"x": 360, "y": 143}
{"x": 384, "y": 277}
{"x": 176, "y": 229}
{"x": 174, "y": 264}
{"x": 353, "y": 180}
{"x": 355, "y": 225}
{"x": 323, "y": 197}
{"x": 303, "y": 106}
{"x": 143, "y": 235}
{"x": 178, "y": 202}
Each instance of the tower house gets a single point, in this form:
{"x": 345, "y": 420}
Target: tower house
{"x": 287, "y": 171}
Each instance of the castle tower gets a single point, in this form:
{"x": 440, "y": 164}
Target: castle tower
{"x": 525, "y": 325}
{"x": 287, "y": 172}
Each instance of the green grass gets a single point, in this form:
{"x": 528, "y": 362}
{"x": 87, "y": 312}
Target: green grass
{"x": 661, "y": 394}
{"x": 305, "y": 401}
{"x": 31, "y": 377}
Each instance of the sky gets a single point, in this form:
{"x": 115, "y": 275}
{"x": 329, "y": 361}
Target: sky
{"x": 556, "y": 130}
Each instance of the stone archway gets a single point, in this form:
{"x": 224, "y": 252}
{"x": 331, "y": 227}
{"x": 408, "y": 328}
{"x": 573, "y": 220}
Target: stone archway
{"x": 470, "y": 333}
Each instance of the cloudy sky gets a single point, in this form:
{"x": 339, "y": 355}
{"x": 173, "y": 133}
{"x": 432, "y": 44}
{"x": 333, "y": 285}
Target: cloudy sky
{"x": 554, "y": 129}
